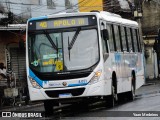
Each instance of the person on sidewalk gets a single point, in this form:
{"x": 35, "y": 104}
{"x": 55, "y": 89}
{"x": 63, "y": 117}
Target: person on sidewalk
{"x": 3, "y": 73}
{"x": 3, "y": 70}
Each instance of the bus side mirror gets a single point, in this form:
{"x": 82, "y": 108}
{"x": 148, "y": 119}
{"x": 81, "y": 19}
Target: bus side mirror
{"x": 105, "y": 34}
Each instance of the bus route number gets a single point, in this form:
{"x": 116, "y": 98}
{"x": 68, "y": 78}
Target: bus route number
{"x": 43, "y": 24}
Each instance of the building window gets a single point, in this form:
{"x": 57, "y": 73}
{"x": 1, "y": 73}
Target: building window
{"x": 68, "y": 4}
{"x": 51, "y": 4}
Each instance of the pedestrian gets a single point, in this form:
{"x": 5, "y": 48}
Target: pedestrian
{"x": 3, "y": 70}
{"x": 3, "y": 73}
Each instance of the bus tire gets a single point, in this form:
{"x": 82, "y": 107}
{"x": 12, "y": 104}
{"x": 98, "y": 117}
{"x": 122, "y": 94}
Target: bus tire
{"x": 110, "y": 100}
{"x": 48, "y": 106}
{"x": 131, "y": 94}
{"x": 114, "y": 86}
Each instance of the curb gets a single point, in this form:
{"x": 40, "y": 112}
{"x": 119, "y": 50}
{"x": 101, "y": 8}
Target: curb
{"x": 147, "y": 84}
{"x": 153, "y": 92}
{"x": 16, "y": 108}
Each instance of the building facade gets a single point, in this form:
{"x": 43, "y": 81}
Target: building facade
{"x": 150, "y": 26}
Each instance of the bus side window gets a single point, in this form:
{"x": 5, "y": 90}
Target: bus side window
{"x": 104, "y": 40}
{"x": 135, "y": 40}
{"x": 138, "y": 41}
{"x": 111, "y": 42}
{"x": 120, "y": 37}
{"x": 105, "y": 46}
{"x": 129, "y": 39}
{"x": 123, "y": 38}
{"x": 117, "y": 38}
{"x": 132, "y": 40}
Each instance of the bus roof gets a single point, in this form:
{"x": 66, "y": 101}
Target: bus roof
{"x": 107, "y": 16}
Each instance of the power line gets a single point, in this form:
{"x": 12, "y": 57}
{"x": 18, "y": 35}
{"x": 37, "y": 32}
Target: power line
{"x": 65, "y": 9}
{"x": 80, "y": 4}
{"x": 36, "y": 9}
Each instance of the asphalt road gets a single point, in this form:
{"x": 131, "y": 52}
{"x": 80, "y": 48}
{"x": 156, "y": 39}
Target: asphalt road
{"x": 147, "y": 102}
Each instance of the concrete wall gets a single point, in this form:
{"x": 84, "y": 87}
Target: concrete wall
{"x": 150, "y": 25}
{"x": 151, "y": 17}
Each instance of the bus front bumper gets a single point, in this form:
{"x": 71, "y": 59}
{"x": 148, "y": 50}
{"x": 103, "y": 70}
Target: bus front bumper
{"x": 97, "y": 89}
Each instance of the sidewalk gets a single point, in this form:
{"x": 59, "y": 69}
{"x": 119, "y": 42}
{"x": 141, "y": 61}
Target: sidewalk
{"x": 152, "y": 86}
{"x": 21, "y": 106}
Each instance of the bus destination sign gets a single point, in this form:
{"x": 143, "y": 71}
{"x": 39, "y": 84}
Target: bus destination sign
{"x": 62, "y": 23}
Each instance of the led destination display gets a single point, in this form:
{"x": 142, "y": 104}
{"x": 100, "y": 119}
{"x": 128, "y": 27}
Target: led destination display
{"x": 62, "y": 23}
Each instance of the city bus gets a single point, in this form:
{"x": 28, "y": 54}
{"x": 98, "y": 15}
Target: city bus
{"x": 73, "y": 56}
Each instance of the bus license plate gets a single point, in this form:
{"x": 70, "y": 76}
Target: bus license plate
{"x": 65, "y": 95}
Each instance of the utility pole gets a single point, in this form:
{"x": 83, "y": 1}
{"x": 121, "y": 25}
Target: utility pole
{"x": 138, "y": 16}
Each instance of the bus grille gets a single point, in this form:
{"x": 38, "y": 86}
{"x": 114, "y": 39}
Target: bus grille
{"x": 74, "y": 92}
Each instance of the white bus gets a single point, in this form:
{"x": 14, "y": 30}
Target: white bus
{"x": 73, "y": 56}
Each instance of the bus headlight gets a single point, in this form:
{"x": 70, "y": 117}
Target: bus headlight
{"x": 96, "y": 77}
{"x": 34, "y": 83}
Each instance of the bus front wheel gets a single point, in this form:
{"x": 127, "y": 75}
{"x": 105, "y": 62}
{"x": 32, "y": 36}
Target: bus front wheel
{"x": 48, "y": 106}
{"x": 110, "y": 100}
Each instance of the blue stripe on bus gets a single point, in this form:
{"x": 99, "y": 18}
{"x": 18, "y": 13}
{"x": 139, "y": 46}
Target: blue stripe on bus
{"x": 38, "y": 18}
{"x": 79, "y": 84}
{"x": 31, "y": 74}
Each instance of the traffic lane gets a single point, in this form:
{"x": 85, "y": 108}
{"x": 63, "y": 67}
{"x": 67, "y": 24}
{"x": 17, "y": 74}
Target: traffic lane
{"x": 149, "y": 103}
{"x": 97, "y": 111}
{"x": 144, "y": 95}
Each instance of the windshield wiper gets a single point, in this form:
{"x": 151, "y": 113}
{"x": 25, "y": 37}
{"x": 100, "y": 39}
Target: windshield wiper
{"x": 74, "y": 38}
{"x": 50, "y": 40}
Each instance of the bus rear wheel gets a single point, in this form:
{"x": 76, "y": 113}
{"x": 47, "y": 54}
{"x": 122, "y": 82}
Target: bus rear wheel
{"x": 131, "y": 94}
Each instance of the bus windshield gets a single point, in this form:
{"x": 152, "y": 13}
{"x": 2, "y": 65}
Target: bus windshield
{"x": 63, "y": 51}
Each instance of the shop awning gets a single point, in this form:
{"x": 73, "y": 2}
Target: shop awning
{"x": 13, "y": 27}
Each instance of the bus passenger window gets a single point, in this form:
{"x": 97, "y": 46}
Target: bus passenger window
{"x": 111, "y": 43}
{"x": 123, "y": 39}
{"x": 117, "y": 38}
{"x": 120, "y": 37}
{"x": 104, "y": 38}
{"x": 138, "y": 41}
{"x": 129, "y": 40}
{"x": 133, "y": 46}
{"x": 135, "y": 40}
